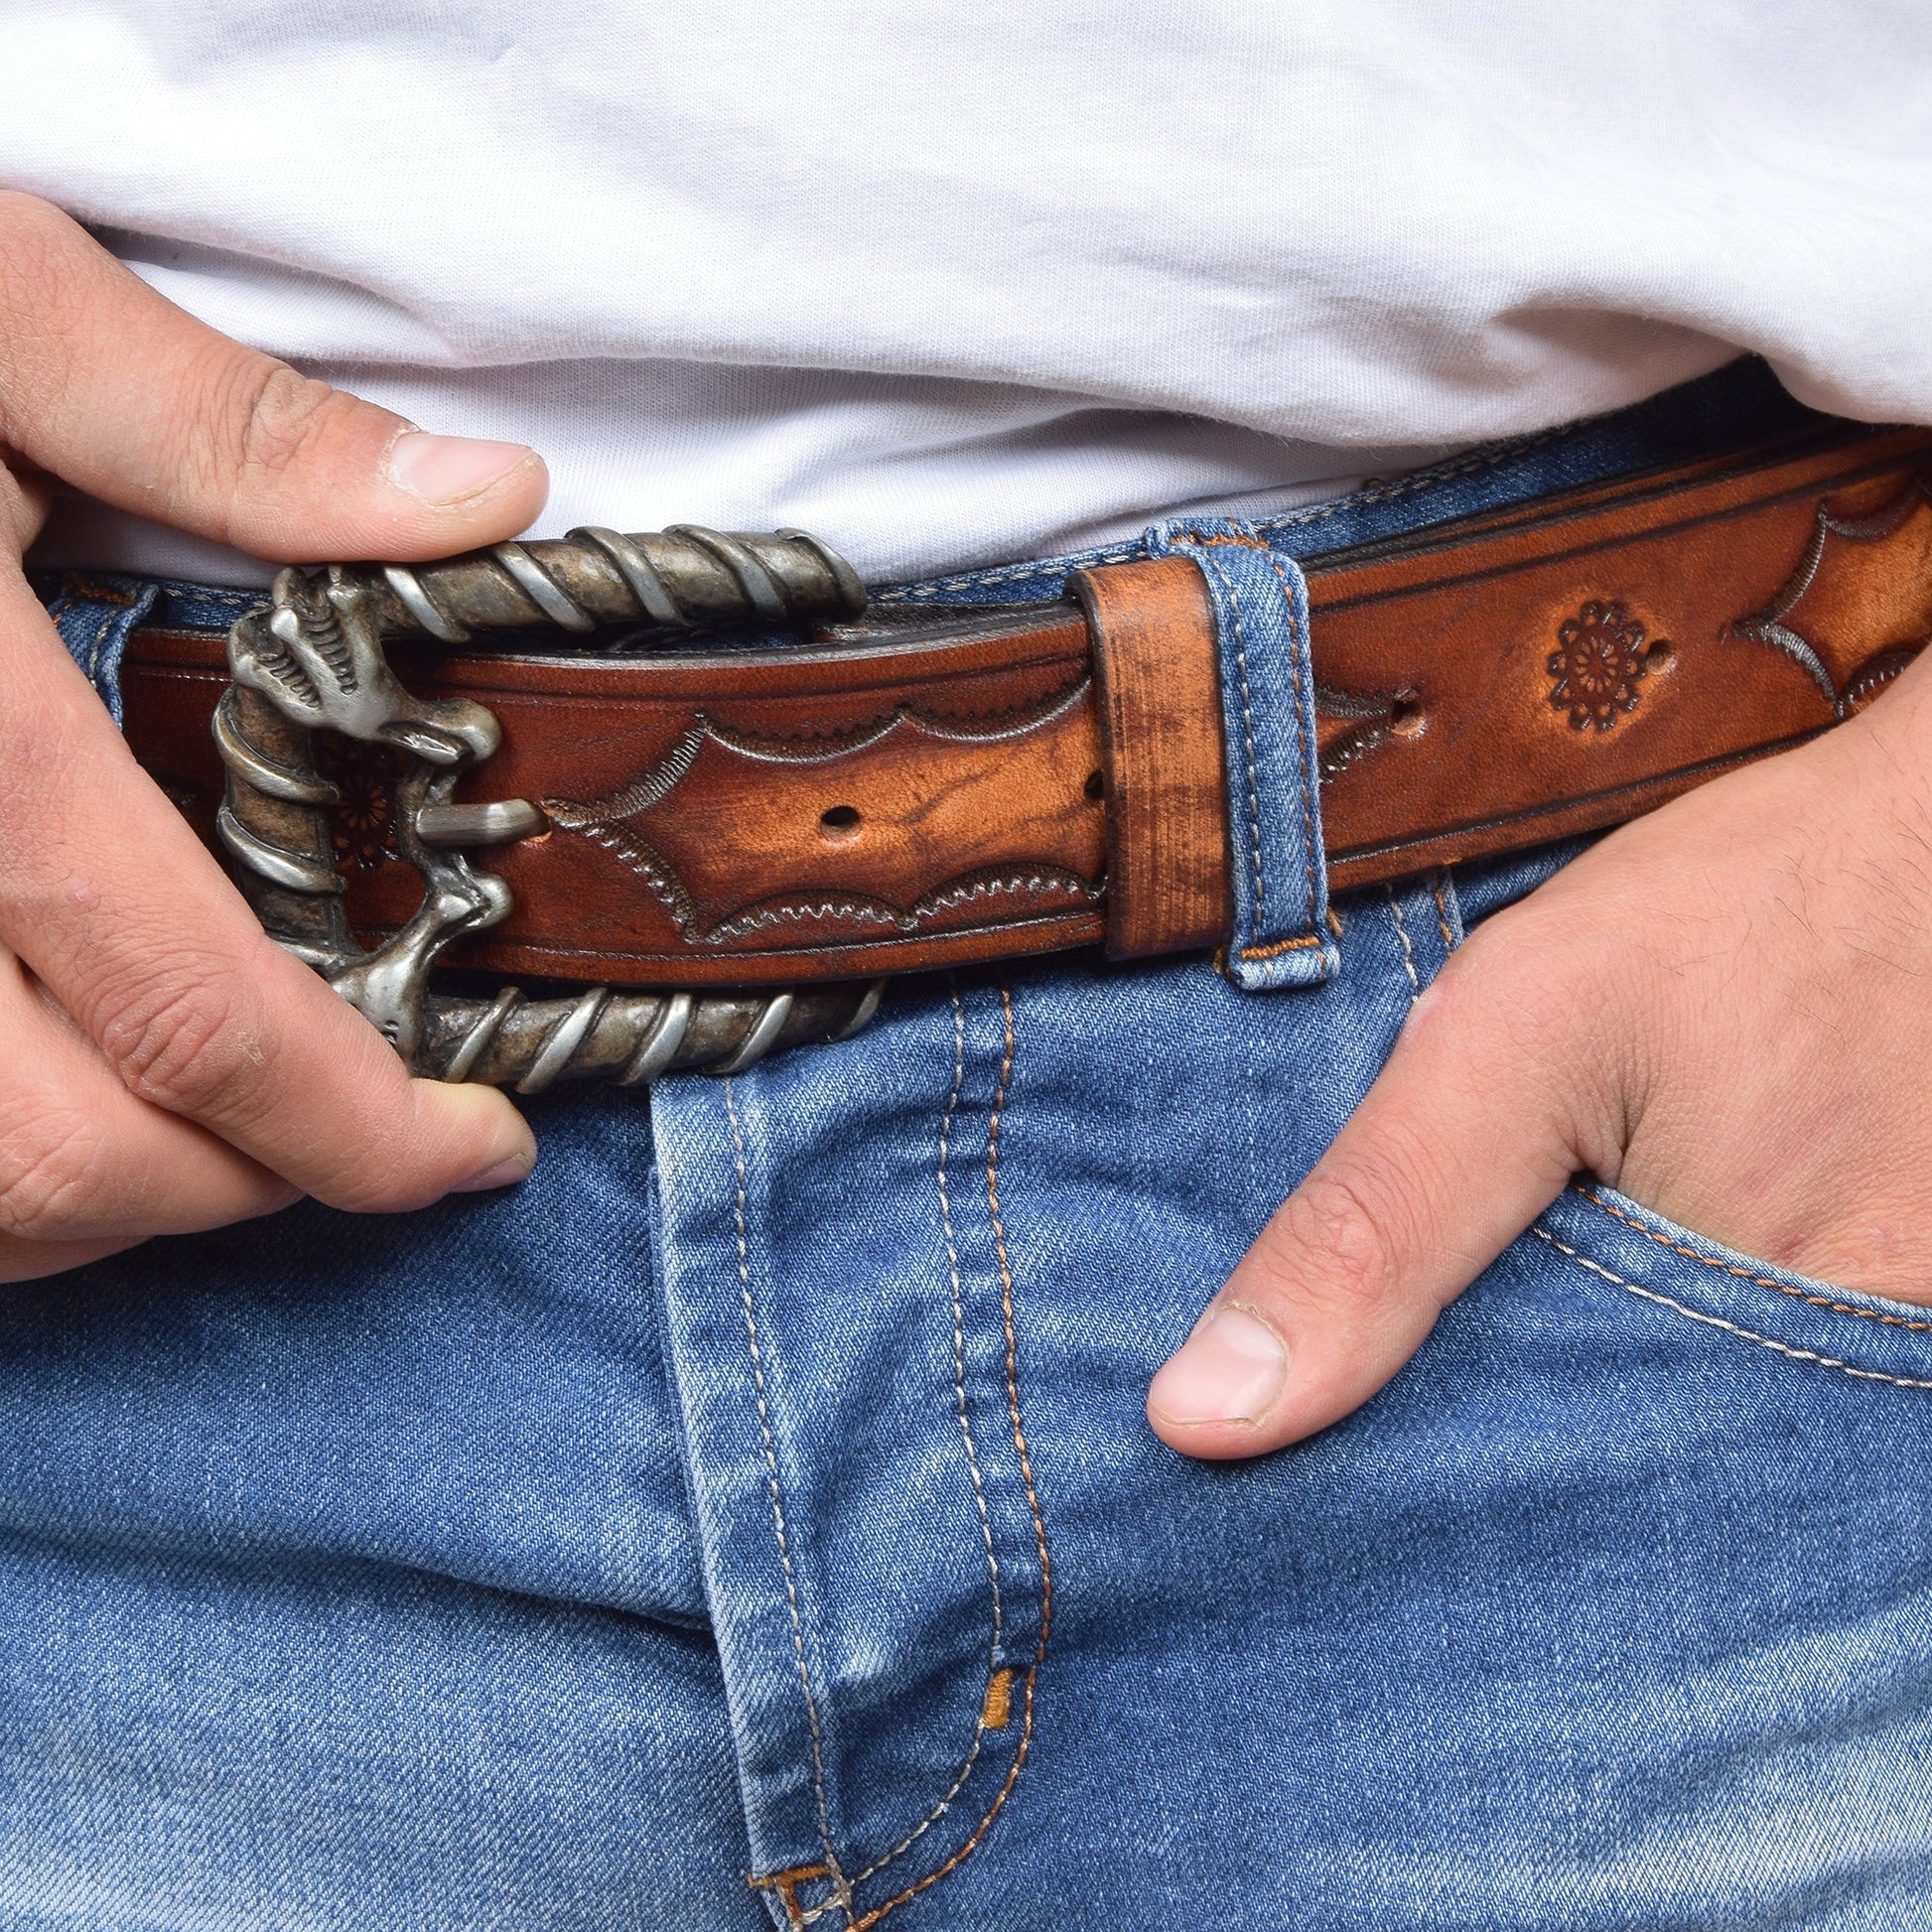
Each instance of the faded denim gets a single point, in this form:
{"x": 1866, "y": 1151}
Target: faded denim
{"x": 751, "y": 1520}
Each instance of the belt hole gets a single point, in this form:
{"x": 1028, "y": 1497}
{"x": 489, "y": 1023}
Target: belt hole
{"x": 1096, "y": 787}
{"x": 840, "y": 822}
{"x": 1406, "y": 715}
{"x": 1658, "y": 656}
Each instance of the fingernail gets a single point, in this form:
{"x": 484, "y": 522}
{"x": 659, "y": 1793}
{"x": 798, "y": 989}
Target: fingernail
{"x": 1231, "y": 1369}
{"x": 501, "y": 1173}
{"x": 444, "y": 470}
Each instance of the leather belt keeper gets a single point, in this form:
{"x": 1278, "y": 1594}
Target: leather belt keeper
{"x": 932, "y": 787}
{"x": 1165, "y": 770}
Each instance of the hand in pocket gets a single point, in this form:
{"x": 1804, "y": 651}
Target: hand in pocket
{"x": 1725, "y": 1009}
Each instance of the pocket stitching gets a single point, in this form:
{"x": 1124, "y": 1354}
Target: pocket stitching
{"x": 1745, "y": 1275}
{"x": 1731, "y": 1327}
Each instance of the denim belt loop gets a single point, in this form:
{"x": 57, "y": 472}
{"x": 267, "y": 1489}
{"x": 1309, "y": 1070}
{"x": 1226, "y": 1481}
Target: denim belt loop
{"x": 1274, "y": 774}
{"x": 94, "y": 612}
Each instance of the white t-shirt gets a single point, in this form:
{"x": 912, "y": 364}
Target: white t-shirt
{"x": 950, "y": 283}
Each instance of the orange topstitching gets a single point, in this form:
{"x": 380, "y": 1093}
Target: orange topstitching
{"x": 1745, "y": 1275}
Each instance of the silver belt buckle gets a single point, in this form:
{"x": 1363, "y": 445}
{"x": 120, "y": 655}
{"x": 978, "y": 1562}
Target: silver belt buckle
{"x": 311, "y": 660}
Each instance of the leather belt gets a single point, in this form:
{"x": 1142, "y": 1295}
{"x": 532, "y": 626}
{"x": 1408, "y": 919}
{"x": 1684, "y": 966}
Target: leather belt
{"x": 928, "y": 787}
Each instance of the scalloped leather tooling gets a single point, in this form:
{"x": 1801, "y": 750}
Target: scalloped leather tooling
{"x": 899, "y": 795}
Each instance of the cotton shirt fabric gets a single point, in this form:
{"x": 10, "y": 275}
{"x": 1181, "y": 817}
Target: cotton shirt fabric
{"x": 948, "y": 285}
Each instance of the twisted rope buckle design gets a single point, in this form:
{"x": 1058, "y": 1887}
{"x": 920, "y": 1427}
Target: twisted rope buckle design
{"x": 311, "y": 660}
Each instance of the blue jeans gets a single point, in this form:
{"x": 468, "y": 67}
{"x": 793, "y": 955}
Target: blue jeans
{"x": 751, "y": 1521}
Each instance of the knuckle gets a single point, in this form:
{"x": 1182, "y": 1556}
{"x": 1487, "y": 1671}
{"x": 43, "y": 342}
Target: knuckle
{"x": 279, "y": 417}
{"x": 1355, "y": 1224}
{"x": 50, "y": 1169}
{"x": 184, "y": 1041}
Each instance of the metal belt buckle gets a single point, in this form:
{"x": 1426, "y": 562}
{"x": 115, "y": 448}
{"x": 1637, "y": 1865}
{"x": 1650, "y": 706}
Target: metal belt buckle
{"x": 311, "y": 660}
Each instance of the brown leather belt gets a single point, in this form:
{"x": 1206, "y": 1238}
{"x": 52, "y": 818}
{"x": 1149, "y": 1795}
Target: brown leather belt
{"x": 933, "y": 787}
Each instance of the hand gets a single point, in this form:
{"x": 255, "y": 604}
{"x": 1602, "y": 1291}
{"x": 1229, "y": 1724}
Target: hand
{"x": 164, "y": 1068}
{"x": 1723, "y": 1009}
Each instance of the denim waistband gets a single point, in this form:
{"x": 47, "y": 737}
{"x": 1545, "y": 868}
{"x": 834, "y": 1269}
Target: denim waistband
{"x": 1734, "y": 405}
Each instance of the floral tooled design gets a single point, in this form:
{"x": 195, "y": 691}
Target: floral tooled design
{"x": 1599, "y": 657}
{"x": 362, "y": 826}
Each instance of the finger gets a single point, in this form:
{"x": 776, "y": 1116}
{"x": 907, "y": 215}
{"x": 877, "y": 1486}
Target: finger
{"x": 1470, "y": 1131}
{"x": 26, "y": 1261}
{"x": 108, "y": 384}
{"x": 111, "y": 900}
{"x": 81, "y": 1160}
{"x": 26, "y": 495}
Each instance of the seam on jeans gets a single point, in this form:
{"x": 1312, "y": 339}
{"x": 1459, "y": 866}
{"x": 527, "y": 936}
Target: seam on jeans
{"x": 1731, "y": 1327}
{"x": 1013, "y": 1350}
{"x": 1281, "y": 946}
{"x": 1406, "y": 486}
{"x": 1745, "y": 1275}
{"x": 93, "y": 593}
{"x": 778, "y": 1513}
{"x": 1300, "y": 727}
{"x": 86, "y": 652}
{"x": 1198, "y": 535}
{"x": 1118, "y": 553}
{"x": 1408, "y": 951}
{"x": 1372, "y": 493}
{"x": 785, "y": 1883}
{"x": 1027, "y": 1471}
{"x": 980, "y": 1728}
{"x": 959, "y": 1347}
{"x": 1443, "y": 914}
{"x": 1247, "y": 739}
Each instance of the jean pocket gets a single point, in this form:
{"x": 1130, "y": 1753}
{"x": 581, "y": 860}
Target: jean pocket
{"x": 1676, "y": 1275}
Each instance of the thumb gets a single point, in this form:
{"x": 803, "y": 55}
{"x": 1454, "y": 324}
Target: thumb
{"x": 107, "y": 384}
{"x": 1469, "y": 1131}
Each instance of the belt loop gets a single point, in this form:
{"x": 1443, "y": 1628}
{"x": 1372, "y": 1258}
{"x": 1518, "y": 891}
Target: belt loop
{"x": 94, "y": 615}
{"x": 1273, "y": 772}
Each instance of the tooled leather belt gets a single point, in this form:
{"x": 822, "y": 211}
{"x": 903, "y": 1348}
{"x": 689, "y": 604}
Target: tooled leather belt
{"x": 729, "y": 845}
